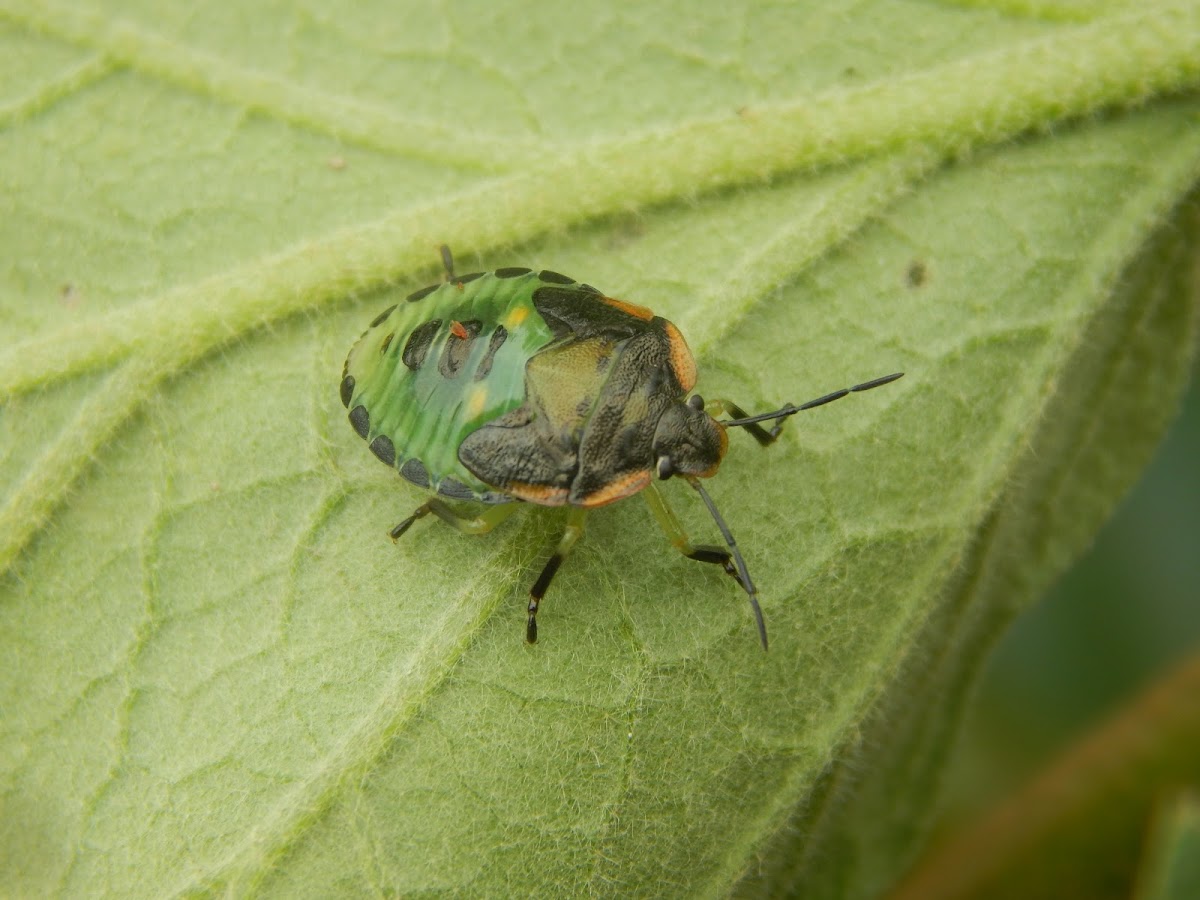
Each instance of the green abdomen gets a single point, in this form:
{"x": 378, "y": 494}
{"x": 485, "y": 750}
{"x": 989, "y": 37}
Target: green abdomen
{"x": 433, "y": 369}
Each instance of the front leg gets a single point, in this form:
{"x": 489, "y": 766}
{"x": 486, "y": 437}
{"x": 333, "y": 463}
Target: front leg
{"x": 765, "y": 438}
{"x": 740, "y": 419}
{"x": 673, "y": 529}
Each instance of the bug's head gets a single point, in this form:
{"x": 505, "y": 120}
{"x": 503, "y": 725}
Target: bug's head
{"x": 688, "y": 441}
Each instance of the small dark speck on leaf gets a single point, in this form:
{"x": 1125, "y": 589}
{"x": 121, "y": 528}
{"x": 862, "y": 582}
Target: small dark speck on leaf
{"x": 626, "y": 230}
{"x": 69, "y": 295}
{"x": 917, "y": 274}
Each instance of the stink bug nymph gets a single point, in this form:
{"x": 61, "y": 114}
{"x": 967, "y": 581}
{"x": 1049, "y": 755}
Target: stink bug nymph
{"x": 518, "y": 386}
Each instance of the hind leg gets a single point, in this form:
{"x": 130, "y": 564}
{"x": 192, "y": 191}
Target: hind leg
{"x": 480, "y": 524}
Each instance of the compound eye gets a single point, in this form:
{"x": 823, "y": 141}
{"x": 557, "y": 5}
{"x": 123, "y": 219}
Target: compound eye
{"x": 666, "y": 468}
{"x": 696, "y": 402}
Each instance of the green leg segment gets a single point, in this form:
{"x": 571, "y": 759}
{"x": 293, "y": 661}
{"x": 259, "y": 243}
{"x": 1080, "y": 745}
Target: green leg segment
{"x": 766, "y": 438}
{"x": 673, "y": 529}
{"x": 480, "y": 524}
{"x": 571, "y": 536}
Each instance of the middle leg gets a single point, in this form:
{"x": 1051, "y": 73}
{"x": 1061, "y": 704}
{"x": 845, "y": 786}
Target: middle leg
{"x": 571, "y": 536}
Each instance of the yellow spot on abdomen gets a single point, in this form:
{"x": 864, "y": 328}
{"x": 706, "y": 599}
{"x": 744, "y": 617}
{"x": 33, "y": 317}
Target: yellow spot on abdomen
{"x": 477, "y": 401}
{"x": 516, "y": 316}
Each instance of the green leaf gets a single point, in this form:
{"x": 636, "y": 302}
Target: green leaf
{"x": 220, "y": 677}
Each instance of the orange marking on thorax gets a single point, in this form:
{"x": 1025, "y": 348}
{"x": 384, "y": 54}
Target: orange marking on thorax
{"x": 681, "y": 358}
{"x": 638, "y": 312}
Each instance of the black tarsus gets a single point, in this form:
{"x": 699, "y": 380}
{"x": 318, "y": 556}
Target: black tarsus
{"x": 537, "y": 592}
{"x": 751, "y": 422}
{"x": 723, "y": 558}
{"x": 423, "y": 510}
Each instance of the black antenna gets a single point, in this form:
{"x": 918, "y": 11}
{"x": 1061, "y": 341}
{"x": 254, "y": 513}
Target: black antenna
{"x": 743, "y": 573}
{"x": 790, "y": 410}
